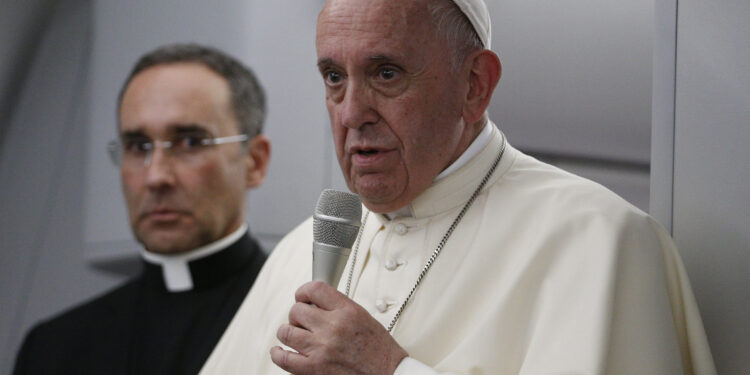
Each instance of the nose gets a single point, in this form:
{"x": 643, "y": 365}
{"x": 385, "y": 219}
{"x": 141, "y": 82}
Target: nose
{"x": 159, "y": 173}
{"x": 357, "y": 107}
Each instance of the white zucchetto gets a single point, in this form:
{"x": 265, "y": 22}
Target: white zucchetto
{"x": 476, "y": 11}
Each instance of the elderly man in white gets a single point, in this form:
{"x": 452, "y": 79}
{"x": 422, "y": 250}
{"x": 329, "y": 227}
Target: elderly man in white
{"x": 473, "y": 257}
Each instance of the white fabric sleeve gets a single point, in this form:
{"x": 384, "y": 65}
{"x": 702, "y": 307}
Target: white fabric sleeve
{"x": 410, "y": 366}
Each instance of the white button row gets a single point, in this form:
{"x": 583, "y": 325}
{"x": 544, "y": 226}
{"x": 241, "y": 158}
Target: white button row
{"x": 382, "y": 305}
{"x": 391, "y": 264}
{"x": 401, "y": 229}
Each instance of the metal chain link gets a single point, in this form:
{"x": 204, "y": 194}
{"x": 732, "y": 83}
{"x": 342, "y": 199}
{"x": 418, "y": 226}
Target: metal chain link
{"x": 354, "y": 256}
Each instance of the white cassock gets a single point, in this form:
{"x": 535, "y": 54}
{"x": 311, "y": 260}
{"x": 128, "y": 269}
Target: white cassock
{"x": 548, "y": 273}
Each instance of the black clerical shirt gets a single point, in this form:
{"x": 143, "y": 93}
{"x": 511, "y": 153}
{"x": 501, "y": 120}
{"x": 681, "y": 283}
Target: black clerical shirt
{"x": 141, "y": 327}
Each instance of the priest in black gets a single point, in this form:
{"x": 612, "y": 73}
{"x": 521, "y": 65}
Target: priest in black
{"x": 189, "y": 146}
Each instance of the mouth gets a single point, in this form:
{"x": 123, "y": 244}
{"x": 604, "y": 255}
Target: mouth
{"x": 162, "y": 215}
{"x": 367, "y": 152}
{"x": 370, "y": 157}
{"x": 365, "y": 149}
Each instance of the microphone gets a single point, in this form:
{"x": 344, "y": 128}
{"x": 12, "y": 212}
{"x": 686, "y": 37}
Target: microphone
{"x": 336, "y": 223}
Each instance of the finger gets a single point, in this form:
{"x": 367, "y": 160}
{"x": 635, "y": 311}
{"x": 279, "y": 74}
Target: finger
{"x": 320, "y": 294}
{"x": 296, "y": 338}
{"x": 306, "y": 316}
{"x": 289, "y": 361}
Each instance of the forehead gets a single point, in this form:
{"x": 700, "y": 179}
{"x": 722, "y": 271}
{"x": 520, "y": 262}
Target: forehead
{"x": 167, "y": 95}
{"x": 389, "y": 27}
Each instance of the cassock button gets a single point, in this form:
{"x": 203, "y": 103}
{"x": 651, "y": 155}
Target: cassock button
{"x": 381, "y": 305}
{"x": 391, "y": 264}
{"x": 401, "y": 229}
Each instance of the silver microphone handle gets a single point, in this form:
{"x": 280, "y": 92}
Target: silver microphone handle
{"x": 328, "y": 263}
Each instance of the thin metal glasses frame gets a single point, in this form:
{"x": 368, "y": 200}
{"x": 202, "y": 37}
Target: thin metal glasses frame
{"x": 114, "y": 147}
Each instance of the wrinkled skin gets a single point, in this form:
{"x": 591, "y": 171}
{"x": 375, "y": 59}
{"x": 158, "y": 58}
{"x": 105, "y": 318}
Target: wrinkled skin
{"x": 394, "y": 100}
{"x": 334, "y": 335}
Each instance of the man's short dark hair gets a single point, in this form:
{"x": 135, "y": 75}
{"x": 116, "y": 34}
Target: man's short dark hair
{"x": 247, "y": 95}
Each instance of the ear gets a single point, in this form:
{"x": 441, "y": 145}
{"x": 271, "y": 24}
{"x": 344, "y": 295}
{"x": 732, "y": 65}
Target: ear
{"x": 258, "y": 155}
{"x": 484, "y": 73}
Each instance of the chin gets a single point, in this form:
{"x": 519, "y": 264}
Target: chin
{"x": 381, "y": 204}
{"x": 166, "y": 249}
{"x": 162, "y": 243}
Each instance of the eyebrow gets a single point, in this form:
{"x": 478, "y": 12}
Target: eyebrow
{"x": 133, "y": 134}
{"x": 327, "y": 61}
{"x": 381, "y": 58}
{"x": 324, "y": 62}
{"x": 174, "y": 129}
{"x": 189, "y": 128}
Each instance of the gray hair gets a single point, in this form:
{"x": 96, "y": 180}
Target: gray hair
{"x": 455, "y": 28}
{"x": 247, "y": 95}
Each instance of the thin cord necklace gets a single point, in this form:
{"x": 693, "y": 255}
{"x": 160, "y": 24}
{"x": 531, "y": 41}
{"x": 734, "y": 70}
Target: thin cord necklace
{"x": 439, "y": 247}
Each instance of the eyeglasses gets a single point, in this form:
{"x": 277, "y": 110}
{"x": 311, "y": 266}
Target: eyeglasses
{"x": 137, "y": 151}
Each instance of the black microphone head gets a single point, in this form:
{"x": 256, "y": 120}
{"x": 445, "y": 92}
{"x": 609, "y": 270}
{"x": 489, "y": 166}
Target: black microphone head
{"x": 337, "y": 218}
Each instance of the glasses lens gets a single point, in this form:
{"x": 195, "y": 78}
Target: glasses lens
{"x": 183, "y": 148}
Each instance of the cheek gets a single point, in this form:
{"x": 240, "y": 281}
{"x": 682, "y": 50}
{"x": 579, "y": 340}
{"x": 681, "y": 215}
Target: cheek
{"x": 339, "y": 138}
{"x": 427, "y": 142}
{"x": 339, "y": 141}
{"x": 332, "y": 114}
{"x": 133, "y": 190}
{"x": 220, "y": 180}
{"x": 211, "y": 179}
{"x": 132, "y": 185}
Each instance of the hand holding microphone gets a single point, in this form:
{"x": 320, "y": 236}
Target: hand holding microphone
{"x": 328, "y": 332}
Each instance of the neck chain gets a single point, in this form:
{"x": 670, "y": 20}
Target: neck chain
{"x": 439, "y": 247}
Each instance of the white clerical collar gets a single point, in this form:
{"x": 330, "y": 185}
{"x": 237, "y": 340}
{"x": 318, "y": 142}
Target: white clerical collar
{"x": 474, "y": 148}
{"x": 175, "y": 268}
{"x": 477, "y": 145}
